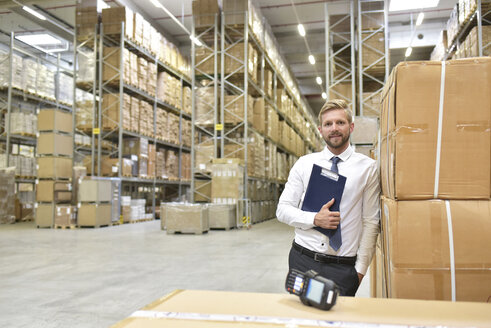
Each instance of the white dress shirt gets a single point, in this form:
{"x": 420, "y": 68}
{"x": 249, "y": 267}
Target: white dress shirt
{"x": 359, "y": 208}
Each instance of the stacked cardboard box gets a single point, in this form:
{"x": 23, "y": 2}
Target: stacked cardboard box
{"x": 169, "y": 89}
{"x": 23, "y": 123}
{"x": 186, "y": 100}
{"x": 205, "y": 61}
{"x": 173, "y": 128}
{"x": 135, "y": 115}
{"x": 271, "y": 160}
{"x": 435, "y": 170}
{"x": 272, "y": 123}
{"x": 146, "y": 119}
{"x": 161, "y": 121}
{"x": 186, "y": 132}
{"x": 160, "y": 171}
{"x": 137, "y": 150}
{"x": 172, "y": 164}
{"x": 7, "y": 195}
{"x": 84, "y": 111}
{"x": 234, "y": 60}
{"x": 45, "y": 83}
{"x": 373, "y": 50}
{"x": 234, "y": 109}
{"x": 112, "y": 66}
{"x": 95, "y": 196}
{"x": 110, "y": 110}
{"x": 222, "y": 216}
{"x": 86, "y": 19}
{"x": 366, "y": 130}
{"x": 205, "y": 105}
{"x": 112, "y": 19}
{"x": 204, "y": 13}
{"x": 227, "y": 180}
{"x": 152, "y": 157}
{"x": 186, "y": 166}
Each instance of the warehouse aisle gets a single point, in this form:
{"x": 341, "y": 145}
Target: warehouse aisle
{"x": 96, "y": 277}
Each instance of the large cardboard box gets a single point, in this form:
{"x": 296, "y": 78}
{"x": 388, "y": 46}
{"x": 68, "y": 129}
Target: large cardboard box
{"x": 54, "y": 144}
{"x": 201, "y": 308}
{"x": 185, "y": 218}
{"x": 55, "y": 120}
{"x": 50, "y": 214}
{"x": 424, "y": 240}
{"x": 421, "y": 158}
{"x": 202, "y": 191}
{"x": 222, "y": 216}
{"x": 94, "y": 215}
{"x": 95, "y": 190}
{"x": 113, "y": 17}
{"x": 53, "y": 190}
{"x": 135, "y": 146}
{"x": 54, "y": 167}
{"x": 259, "y": 120}
{"x": 204, "y": 12}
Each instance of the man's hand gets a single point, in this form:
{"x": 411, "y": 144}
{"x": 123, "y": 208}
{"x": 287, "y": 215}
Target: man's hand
{"x": 327, "y": 219}
{"x": 360, "y": 277}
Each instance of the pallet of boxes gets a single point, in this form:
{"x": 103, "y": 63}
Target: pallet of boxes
{"x": 96, "y": 199}
{"x": 54, "y": 166}
{"x": 435, "y": 173}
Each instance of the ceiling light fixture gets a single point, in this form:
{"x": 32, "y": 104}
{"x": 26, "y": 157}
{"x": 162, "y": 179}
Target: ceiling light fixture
{"x": 33, "y": 12}
{"x": 318, "y": 80}
{"x": 156, "y": 3}
{"x": 301, "y": 29}
{"x": 399, "y": 5}
{"x": 420, "y": 18}
{"x": 196, "y": 40}
{"x": 324, "y": 95}
{"x": 311, "y": 60}
{"x": 409, "y": 50}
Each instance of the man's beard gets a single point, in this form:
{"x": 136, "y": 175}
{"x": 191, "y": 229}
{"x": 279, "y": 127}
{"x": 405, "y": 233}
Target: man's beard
{"x": 340, "y": 144}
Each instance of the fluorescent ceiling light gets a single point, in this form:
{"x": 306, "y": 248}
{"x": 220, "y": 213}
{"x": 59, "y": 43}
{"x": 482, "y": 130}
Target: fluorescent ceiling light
{"x": 408, "y": 52}
{"x": 318, "y": 80}
{"x": 311, "y": 60}
{"x": 156, "y": 3}
{"x": 34, "y": 13}
{"x": 38, "y": 39}
{"x": 421, "y": 16}
{"x": 101, "y": 5}
{"x": 398, "y": 5}
{"x": 324, "y": 95}
{"x": 195, "y": 40}
{"x": 301, "y": 29}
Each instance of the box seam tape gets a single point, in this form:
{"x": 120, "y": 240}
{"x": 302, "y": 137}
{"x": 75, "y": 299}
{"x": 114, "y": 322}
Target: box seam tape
{"x": 451, "y": 250}
{"x": 439, "y": 136}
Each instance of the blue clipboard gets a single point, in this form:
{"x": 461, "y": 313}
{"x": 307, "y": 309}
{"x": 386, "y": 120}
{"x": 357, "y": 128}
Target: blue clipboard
{"x": 323, "y": 186}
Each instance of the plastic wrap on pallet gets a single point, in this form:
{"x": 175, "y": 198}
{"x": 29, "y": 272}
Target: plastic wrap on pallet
{"x": 7, "y": 195}
{"x": 186, "y": 100}
{"x": 65, "y": 89}
{"x": 172, "y": 163}
{"x": 45, "y": 83}
{"x": 84, "y": 110}
{"x": 29, "y": 69}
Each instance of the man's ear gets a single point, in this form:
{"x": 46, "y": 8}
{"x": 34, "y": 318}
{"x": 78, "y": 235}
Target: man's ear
{"x": 352, "y": 127}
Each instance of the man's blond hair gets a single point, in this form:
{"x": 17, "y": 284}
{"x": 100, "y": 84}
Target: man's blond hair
{"x": 336, "y": 104}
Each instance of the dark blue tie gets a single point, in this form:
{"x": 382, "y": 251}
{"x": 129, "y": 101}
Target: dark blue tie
{"x": 335, "y": 240}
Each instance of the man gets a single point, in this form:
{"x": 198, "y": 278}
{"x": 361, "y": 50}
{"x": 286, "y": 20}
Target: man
{"x": 359, "y": 211}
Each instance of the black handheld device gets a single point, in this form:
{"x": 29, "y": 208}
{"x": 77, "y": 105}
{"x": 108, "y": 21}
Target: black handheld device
{"x": 313, "y": 289}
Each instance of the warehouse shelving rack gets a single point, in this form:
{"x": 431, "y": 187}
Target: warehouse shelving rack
{"x": 14, "y": 99}
{"x": 202, "y": 132}
{"x": 481, "y": 16}
{"x": 239, "y": 82}
{"x": 339, "y": 68}
{"x": 135, "y": 186}
{"x": 372, "y": 22}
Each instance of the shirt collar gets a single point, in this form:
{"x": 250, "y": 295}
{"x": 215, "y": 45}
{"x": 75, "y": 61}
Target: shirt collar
{"x": 344, "y": 155}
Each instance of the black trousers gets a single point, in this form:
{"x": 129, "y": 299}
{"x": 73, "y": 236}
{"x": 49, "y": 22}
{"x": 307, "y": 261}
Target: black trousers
{"x": 344, "y": 275}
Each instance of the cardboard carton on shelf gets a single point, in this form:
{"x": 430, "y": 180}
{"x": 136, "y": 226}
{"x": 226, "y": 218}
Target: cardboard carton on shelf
{"x": 49, "y": 143}
{"x": 52, "y": 190}
{"x": 51, "y": 214}
{"x": 95, "y": 190}
{"x": 55, "y": 120}
{"x": 53, "y": 167}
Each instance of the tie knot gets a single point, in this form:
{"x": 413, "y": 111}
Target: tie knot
{"x": 335, "y": 159}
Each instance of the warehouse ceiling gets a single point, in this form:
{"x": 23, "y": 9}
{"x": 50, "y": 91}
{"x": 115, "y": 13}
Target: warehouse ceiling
{"x": 282, "y": 15}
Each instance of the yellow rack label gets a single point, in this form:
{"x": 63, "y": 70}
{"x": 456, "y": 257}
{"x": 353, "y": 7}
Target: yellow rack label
{"x": 219, "y": 127}
{"x": 96, "y": 131}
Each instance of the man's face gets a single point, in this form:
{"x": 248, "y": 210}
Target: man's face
{"x": 336, "y": 130}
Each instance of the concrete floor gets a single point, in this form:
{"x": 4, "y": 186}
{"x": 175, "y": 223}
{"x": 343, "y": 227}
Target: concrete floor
{"x": 97, "y": 277}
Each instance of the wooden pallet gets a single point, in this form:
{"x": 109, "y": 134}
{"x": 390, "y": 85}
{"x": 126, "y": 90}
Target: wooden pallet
{"x": 94, "y": 226}
{"x": 71, "y": 226}
{"x": 185, "y": 232}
